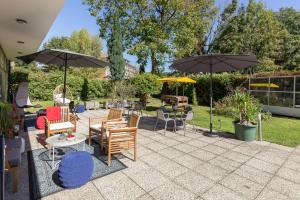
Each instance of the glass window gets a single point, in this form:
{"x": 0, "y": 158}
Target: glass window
{"x": 261, "y": 96}
{"x": 285, "y": 84}
{"x": 298, "y": 84}
{"x": 281, "y": 99}
{"x": 297, "y": 100}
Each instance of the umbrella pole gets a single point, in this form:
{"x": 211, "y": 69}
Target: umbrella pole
{"x": 211, "y": 134}
{"x": 65, "y": 80}
{"x": 176, "y": 90}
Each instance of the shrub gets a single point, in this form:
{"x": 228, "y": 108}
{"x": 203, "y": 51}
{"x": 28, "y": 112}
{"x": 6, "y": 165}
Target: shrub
{"x": 146, "y": 84}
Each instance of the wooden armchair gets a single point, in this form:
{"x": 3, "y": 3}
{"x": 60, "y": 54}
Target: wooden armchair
{"x": 119, "y": 138}
{"x": 66, "y": 122}
{"x": 95, "y": 123}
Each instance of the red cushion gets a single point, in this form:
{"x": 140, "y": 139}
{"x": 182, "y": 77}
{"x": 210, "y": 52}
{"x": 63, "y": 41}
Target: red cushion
{"x": 40, "y": 124}
{"x": 53, "y": 113}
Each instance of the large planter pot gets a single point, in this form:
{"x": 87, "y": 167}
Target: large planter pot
{"x": 245, "y": 132}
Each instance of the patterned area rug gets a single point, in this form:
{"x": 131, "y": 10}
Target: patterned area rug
{"x": 44, "y": 180}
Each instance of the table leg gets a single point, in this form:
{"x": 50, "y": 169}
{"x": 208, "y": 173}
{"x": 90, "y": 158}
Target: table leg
{"x": 83, "y": 147}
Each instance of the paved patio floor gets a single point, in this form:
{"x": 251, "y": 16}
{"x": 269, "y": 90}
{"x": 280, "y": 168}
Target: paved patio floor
{"x": 191, "y": 167}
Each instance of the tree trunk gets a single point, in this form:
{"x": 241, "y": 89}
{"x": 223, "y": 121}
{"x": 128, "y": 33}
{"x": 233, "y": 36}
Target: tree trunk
{"x": 154, "y": 63}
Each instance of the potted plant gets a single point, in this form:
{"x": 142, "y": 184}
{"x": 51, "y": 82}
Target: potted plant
{"x": 6, "y": 121}
{"x": 244, "y": 108}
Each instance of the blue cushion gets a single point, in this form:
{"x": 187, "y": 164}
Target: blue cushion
{"x": 80, "y": 108}
{"x": 75, "y": 169}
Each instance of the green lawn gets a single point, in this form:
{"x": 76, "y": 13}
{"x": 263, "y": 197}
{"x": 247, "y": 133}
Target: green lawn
{"x": 280, "y": 130}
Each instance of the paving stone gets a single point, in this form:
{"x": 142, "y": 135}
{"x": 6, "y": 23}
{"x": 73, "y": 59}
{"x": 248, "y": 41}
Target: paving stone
{"x": 188, "y": 161}
{"x": 267, "y": 194}
{"x": 262, "y": 165}
{"x": 281, "y": 147}
{"x": 214, "y": 149}
{"x": 246, "y": 149}
{"x": 289, "y": 174}
{"x": 169, "y": 142}
{"x": 181, "y": 138}
{"x": 219, "y": 192}
{"x": 148, "y": 179}
{"x": 156, "y": 146}
{"x": 271, "y": 157}
{"x": 224, "y": 144}
{"x": 171, "y": 169}
{"x": 285, "y": 187}
{"x": 233, "y": 141}
{"x": 141, "y": 151}
{"x": 144, "y": 140}
{"x": 197, "y": 143}
{"x": 185, "y": 148}
{"x": 118, "y": 187}
{"x": 295, "y": 158}
{"x": 209, "y": 140}
{"x": 154, "y": 159}
{"x": 145, "y": 197}
{"x": 241, "y": 185}
{"x": 225, "y": 163}
{"x": 292, "y": 165}
{"x": 171, "y": 191}
{"x": 254, "y": 174}
{"x": 171, "y": 152}
{"x": 203, "y": 155}
{"x": 236, "y": 156}
{"x": 194, "y": 182}
{"x": 211, "y": 171}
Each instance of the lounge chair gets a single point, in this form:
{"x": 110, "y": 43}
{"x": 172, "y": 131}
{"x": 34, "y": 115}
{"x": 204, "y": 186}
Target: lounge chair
{"x": 58, "y": 120}
{"x": 95, "y": 123}
{"x": 119, "y": 138}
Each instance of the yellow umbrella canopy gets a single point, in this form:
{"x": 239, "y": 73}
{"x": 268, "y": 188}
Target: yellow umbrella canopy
{"x": 271, "y": 85}
{"x": 177, "y": 80}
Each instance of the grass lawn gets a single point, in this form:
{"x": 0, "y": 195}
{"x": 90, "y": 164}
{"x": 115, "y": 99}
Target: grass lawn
{"x": 280, "y": 130}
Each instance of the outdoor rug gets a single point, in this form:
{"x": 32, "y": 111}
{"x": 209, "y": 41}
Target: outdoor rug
{"x": 43, "y": 180}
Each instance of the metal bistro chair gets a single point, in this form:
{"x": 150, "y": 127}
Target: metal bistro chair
{"x": 165, "y": 117}
{"x": 187, "y": 115}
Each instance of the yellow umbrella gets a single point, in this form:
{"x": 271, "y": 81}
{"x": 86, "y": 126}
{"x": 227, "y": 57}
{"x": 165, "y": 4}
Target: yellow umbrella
{"x": 177, "y": 80}
{"x": 271, "y": 85}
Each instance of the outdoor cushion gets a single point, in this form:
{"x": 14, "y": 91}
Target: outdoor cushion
{"x": 60, "y": 100}
{"x": 13, "y": 143}
{"x": 53, "y": 113}
{"x": 96, "y": 126}
{"x": 14, "y": 157}
{"x": 40, "y": 122}
{"x": 62, "y": 125}
{"x": 75, "y": 169}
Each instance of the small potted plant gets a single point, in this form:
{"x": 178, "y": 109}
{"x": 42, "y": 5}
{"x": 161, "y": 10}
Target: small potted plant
{"x": 70, "y": 135}
{"x": 244, "y": 108}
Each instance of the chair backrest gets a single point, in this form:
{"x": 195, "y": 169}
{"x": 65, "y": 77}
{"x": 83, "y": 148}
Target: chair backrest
{"x": 114, "y": 113}
{"x": 160, "y": 114}
{"x": 134, "y": 120}
{"x": 65, "y": 113}
{"x": 189, "y": 115}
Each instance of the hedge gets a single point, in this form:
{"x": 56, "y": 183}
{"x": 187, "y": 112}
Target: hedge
{"x": 43, "y": 83}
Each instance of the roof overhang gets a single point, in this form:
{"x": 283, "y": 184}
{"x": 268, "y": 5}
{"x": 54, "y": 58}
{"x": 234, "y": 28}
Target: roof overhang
{"x": 39, "y": 16}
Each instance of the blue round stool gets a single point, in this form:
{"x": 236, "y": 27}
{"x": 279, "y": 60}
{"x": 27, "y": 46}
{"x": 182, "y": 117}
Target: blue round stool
{"x": 75, "y": 169}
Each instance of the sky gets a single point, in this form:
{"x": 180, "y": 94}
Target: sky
{"x": 75, "y": 16}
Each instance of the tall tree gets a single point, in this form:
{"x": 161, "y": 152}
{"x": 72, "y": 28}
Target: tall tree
{"x": 156, "y": 30}
{"x": 115, "y": 51}
{"x": 290, "y": 52}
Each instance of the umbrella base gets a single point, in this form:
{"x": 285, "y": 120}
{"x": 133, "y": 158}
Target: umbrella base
{"x": 211, "y": 134}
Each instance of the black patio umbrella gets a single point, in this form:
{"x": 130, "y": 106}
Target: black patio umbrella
{"x": 214, "y": 63}
{"x": 63, "y": 58}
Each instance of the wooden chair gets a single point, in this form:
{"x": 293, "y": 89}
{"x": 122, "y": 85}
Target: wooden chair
{"x": 95, "y": 123}
{"x": 119, "y": 138}
{"x": 67, "y": 122}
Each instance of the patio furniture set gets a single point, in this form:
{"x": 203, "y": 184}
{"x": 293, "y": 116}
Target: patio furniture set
{"x": 166, "y": 115}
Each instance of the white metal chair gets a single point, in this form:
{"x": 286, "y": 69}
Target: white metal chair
{"x": 165, "y": 117}
{"x": 187, "y": 116}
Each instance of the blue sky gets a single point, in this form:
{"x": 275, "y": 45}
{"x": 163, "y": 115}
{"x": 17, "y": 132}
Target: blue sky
{"x": 74, "y": 16}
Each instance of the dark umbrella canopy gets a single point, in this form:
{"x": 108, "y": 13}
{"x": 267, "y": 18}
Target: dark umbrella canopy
{"x": 63, "y": 58}
{"x": 214, "y": 63}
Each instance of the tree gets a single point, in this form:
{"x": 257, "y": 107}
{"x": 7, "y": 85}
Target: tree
{"x": 82, "y": 42}
{"x": 251, "y": 29}
{"x": 115, "y": 51}
{"x": 290, "y": 52}
{"x": 156, "y": 30}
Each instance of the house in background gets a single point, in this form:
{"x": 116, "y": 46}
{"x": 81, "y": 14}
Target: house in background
{"x": 23, "y": 26}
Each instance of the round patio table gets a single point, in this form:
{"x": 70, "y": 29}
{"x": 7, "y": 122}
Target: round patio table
{"x": 57, "y": 141}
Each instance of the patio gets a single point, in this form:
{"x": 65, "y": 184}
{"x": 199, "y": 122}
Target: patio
{"x": 190, "y": 167}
